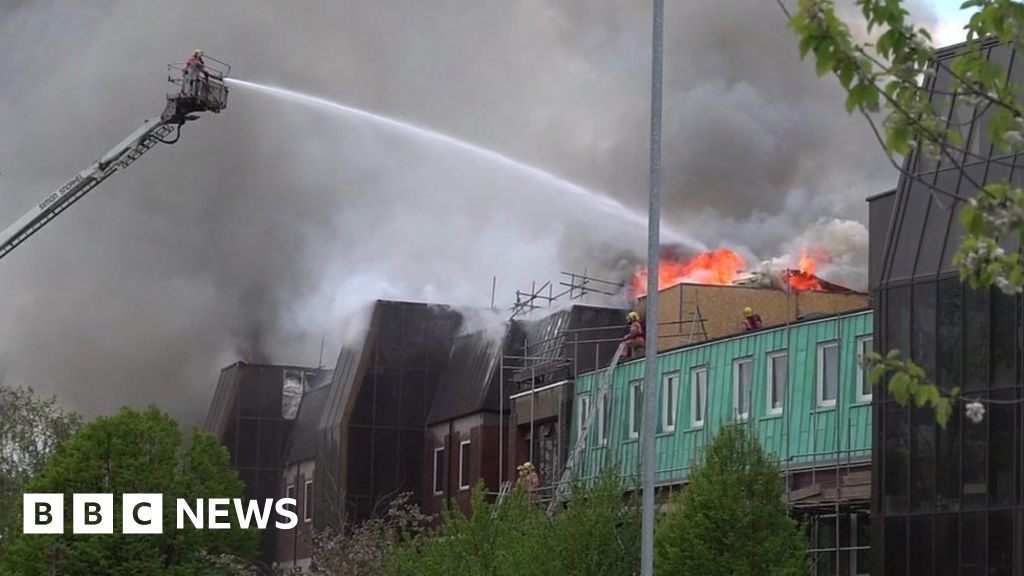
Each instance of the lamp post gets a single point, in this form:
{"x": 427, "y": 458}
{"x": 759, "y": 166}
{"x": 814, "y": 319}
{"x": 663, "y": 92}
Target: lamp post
{"x": 650, "y": 395}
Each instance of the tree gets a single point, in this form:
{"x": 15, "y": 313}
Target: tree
{"x": 30, "y": 429}
{"x": 889, "y": 76}
{"x": 596, "y": 534}
{"x": 731, "y": 519}
{"x": 366, "y": 548}
{"x": 134, "y": 452}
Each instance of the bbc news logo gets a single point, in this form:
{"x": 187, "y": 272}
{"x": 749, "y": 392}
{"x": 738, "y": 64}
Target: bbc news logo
{"x": 144, "y": 513}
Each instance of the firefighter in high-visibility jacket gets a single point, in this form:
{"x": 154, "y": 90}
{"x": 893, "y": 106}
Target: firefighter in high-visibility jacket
{"x": 634, "y": 339}
{"x": 529, "y": 479}
{"x": 751, "y": 320}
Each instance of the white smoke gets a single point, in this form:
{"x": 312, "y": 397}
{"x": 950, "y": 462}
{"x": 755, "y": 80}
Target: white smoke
{"x": 839, "y": 247}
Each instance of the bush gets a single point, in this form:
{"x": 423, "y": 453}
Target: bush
{"x": 597, "y": 534}
{"x": 732, "y": 520}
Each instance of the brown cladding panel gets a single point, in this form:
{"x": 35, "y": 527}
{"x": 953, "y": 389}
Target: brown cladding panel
{"x": 721, "y": 309}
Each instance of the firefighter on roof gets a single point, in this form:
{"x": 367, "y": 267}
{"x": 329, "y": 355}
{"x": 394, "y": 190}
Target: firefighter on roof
{"x": 751, "y": 320}
{"x": 634, "y": 339}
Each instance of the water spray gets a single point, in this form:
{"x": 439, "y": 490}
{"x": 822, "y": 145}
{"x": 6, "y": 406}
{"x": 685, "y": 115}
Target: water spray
{"x": 601, "y": 202}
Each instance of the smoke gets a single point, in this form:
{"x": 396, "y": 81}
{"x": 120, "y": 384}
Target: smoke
{"x": 273, "y": 225}
{"x": 839, "y": 247}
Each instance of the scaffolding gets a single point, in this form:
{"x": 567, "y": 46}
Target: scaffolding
{"x": 574, "y": 286}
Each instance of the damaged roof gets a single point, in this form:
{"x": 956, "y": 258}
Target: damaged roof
{"x": 470, "y": 382}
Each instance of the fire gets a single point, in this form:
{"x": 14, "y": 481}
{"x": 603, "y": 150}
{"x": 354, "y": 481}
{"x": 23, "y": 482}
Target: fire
{"x": 719, "y": 266}
{"x": 804, "y": 278}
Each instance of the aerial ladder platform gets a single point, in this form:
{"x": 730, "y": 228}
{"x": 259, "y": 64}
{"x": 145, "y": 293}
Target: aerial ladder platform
{"x": 197, "y": 88}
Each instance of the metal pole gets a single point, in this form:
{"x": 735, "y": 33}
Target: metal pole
{"x": 653, "y": 252}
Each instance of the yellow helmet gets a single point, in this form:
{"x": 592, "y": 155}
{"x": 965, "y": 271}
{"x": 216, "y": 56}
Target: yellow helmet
{"x": 197, "y": 52}
{"x": 748, "y": 311}
{"x": 527, "y": 466}
{"x": 633, "y": 317}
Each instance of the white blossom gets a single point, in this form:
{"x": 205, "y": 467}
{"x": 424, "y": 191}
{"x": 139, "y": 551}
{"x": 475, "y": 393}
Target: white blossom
{"x": 975, "y": 411}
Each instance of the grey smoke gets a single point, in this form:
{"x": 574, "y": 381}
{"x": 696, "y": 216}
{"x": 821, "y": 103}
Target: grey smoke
{"x": 271, "y": 226}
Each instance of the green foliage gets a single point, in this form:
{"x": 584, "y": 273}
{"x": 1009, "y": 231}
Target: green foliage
{"x": 30, "y": 430}
{"x": 598, "y": 533}
{"x": 134, "y": 452}
{"x": 731, "y": 519}
{"x": 909, "y": 382}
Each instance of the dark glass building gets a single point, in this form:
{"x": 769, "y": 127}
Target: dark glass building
{"x": 946, "y": 501}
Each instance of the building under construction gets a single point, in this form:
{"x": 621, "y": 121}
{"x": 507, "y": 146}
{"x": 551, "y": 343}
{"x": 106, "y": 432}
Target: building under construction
{"x": 423, "y": 405}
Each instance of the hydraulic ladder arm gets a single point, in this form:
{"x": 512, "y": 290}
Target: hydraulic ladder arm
{"x": 199, "y": 90}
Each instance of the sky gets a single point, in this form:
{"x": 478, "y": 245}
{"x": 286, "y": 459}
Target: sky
{"x": 269, "y": 228}
{"x": 951, "y": 20}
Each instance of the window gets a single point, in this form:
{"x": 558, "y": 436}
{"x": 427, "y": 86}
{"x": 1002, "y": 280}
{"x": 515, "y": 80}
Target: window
{"x": 464, "y": 465}
{"x": 584, "y": 413}
{"x": 778, "y": 381}
{"x": 860, "y": 555}
{"x": 439, "y": 470}
{"x": 841, "y": 541}
{"x": 698, "y": 395}
{"x": 742, "y": 376}
{"x": 604, "y": 419}
{"x": 824, "y": 543}
{"x": 307, "y": 501}
{"x": 864, "y": 345}
{"x": 289, "y": 493}
{"x": 669, "y": 401}
{"x": 828, "y": 374}
{"x": 636, "y": 403}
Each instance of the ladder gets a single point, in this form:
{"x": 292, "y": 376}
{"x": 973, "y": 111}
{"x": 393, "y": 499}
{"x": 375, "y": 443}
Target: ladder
{"x": 698, "y": 318}
{"x": 581, "y": 442}
{"x": 503, "y": 492}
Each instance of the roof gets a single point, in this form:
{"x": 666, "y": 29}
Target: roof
{"x": 802, "y": 321}
{"x": 881, "y": 195}
{"x": 567, "y": 339}
{"x": 470, "y": 381}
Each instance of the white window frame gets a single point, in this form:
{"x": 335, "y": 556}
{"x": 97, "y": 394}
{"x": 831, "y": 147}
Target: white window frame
{"x": 819, "y": 388}
{"x": 463, "y": 482}
{"x": 856, "y": 546}
{"x": 307, "y": 501}
{"x": 438, "y": 472}
{"x": 862, "y": 372}
{"x": 669, "y": 401}
{"x": 584, "y": 406}
{"x": 741, "y": 416}
{"x": 289, "y": 492}
{"x": 769, "y": 391}
{"x": 603, "y": 412}
{"x": 703, "y": 404}
{"x": 636, "y": 393}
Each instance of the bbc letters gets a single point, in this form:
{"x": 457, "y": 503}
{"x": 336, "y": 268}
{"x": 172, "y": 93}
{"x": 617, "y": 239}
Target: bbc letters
{"x": 144, "y": 513}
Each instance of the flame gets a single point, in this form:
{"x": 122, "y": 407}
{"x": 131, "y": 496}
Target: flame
{"x": 719, "y": 266}
{"x": 804, "y": 278}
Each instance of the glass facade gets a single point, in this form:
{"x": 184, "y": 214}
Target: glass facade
{"x": 946, "y": 500}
